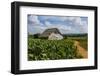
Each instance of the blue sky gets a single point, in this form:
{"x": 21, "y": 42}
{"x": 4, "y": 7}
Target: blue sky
{"x": 65, "y": 24}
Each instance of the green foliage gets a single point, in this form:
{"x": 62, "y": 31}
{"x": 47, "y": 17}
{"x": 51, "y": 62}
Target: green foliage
{"x": 43, "y": 38}
{"x": 43, "y": 49}
{"x": 36, "y": 35}
{"x": 83, "y": 41}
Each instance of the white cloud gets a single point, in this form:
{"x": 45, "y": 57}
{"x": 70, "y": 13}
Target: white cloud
{"x": 34, "y": 25}
{"x": 76, "y": 24}
{"x": 62, "y": 28}
{"x": 36, "y": 29}
{"x": 81, "y": 25}
{"x": 67, "y": 18}
{"x": 33, "y": 19}
{"x": 78, "y": 21}
{"x": 47, "y": 23}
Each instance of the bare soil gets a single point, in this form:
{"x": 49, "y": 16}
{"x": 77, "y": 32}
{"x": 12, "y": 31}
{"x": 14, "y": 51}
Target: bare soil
{"x": 81, "y": 51}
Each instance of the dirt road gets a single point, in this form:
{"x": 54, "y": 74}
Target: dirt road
{"x": 81, "y": 51}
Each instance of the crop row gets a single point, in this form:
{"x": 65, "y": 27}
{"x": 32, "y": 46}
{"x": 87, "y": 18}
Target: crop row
{"x": 40, "y": 49}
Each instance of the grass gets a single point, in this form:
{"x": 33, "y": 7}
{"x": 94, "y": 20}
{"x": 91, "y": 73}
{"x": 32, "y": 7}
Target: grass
{"x": 82, "y": 40}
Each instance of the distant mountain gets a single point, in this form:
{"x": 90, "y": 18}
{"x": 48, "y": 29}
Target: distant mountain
{"x": 71, "y": 35}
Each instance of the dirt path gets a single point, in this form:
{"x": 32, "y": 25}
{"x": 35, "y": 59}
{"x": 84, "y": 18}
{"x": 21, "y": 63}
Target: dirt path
{"x": 81, "y": 50}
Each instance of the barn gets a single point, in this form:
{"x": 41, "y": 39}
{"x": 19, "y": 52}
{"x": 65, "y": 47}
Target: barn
{"x": 52, "y": 34}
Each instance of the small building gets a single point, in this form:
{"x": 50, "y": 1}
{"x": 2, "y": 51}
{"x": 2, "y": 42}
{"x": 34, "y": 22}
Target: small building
{"x": 52, "y": 34}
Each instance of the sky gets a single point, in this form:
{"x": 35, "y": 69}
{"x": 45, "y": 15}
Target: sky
{"x": 65, "y": 24}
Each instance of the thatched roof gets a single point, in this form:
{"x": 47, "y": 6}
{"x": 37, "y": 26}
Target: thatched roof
{"x": 47, "y": 32}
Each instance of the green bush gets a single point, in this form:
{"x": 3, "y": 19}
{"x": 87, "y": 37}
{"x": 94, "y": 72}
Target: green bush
{"x": 40, "y": 49}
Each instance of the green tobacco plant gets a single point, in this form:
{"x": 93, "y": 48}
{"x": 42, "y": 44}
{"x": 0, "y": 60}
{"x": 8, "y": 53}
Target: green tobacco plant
{"x": 43, "y": 49}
